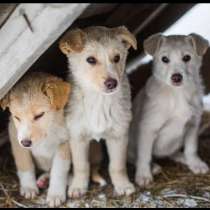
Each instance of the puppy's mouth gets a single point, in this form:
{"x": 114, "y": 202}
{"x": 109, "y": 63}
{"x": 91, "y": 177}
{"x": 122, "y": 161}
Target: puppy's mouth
{"x": 177, "y": 83}
{"x": 109, "y": 92}
{"x": 177, "y": 79}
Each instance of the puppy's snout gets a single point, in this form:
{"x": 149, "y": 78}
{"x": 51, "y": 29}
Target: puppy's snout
{"x": 177, "y": 78}
{"x": 111, "y": 83}
{"x": 26, "y": 143}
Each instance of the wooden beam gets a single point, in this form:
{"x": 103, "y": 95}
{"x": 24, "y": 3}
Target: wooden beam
{"x": 21, "y": 47}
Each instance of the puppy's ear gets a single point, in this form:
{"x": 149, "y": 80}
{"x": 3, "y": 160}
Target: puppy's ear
{"x": 72, "y": 41}
{"x": 152, "y": 43}
{"x": 4, "y": 102}
{"x": 126, "y": 36}
{"x": 199, "y": 44}
{"x": 57, "y": 91}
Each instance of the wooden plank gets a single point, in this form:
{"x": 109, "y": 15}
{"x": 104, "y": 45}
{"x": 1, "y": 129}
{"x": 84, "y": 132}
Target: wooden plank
{"x": 5, "y": 11}
{"x": 20, "y": 47}
{"x": 98, "y": 9}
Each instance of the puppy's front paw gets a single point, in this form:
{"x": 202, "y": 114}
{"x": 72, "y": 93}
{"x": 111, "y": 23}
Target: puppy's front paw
{"x": 55, "y": 200}
{"x": 197, "y": 166}
{"x": 144, "y": 179}
{"x": 125, "y": 189}
{"x": 77, "y": 190}
{"x": 29, "y": 192}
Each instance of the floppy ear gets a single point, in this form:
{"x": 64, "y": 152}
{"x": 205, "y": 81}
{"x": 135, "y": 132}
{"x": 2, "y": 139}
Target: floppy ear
{"x": 72, "y": 41}
{"x": 57, "y": 91}
{"x": 4, "y": 102}
{"x": 199, "y": 44}
{"x": 152, "y": 43}
{"x": 126, "y": 36}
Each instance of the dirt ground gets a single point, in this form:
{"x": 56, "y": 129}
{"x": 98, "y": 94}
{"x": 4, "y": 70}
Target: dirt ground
{"x": 174, "y": 187}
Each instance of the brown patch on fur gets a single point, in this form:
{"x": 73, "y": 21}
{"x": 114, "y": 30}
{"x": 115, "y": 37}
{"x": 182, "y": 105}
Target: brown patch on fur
{"x": 64, "y": 151}
{"x": 73, "y": 41}
{"x": 57, "y": 91}
{"x": 34, "y": 94}
{"x": 23, "y": 158}
{"x": 127, "y": 37}
{"x": 4, "y": 103}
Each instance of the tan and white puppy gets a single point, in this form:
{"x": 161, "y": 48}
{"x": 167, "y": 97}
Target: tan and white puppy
{"x": 167, "y": 112}
{"x": 38, "y": 134}
{"x": 100, "y": 107}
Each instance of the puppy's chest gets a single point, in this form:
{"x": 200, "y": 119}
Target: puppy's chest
{"x": 44, "y": 153}
{"x": 99, "y": 115}
{"x": 183, "y": 107}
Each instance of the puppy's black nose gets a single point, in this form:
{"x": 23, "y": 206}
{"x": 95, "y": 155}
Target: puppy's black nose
{"x": 177, "y": 78}
{"x": 111, "y": 83}
{"x": 26, "y": 143}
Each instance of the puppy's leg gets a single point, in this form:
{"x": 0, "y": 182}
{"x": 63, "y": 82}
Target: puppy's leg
{"x": 25, "y": 167}
{"x": 143, "y": 168}
{"x": 59, "y": 176}
{"x": 117, "y": 149}
{"x": 80, "y": 157}
{"x": 96, "y": 157}
{"x": 192, "y": 160}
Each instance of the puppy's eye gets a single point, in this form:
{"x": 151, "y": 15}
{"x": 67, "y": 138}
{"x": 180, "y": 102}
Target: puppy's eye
{"x": 17, "y": 118}
{"x": 116, "y": 58}
{"x": 91, "y": 60}
{"x": 37, "y": 117}
{"x": 186, "y": 58}
{"x": 165, "y": 59}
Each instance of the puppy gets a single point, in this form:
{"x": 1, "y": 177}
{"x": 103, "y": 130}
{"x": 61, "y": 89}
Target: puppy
{"x": 100, "y": 100}
{"x": 167, "y": 112}
{"x": 38, "y": 134}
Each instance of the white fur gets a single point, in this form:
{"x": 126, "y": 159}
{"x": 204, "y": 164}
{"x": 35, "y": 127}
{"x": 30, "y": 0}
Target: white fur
{"x": 58, "y": 182}
{"x": 167, "y": 117}
{"x": 28, "y": 184}
{"x": 46, "y": 148}
{"x": 95, "y": 113}
{"x": 23, "y": 132}
{"x": 100, "y": 117}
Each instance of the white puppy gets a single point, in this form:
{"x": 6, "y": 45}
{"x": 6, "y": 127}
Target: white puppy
{"x": 101, "y": 106}
{"x": 38, "y": 134}
{"x": 167, "y": 112}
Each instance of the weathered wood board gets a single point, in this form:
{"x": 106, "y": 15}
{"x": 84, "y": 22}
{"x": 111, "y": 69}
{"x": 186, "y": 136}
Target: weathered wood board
{"x": 20, "y": 47}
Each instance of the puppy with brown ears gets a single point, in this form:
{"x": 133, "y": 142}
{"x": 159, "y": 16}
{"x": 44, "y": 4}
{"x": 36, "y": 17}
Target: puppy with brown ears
{"x": 38, "y": 134}
{"x": 100, "y": 107}
{"x": 168, "y": 110}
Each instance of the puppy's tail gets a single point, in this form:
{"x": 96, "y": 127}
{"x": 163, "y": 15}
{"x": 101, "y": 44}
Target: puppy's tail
{"x": 4, "y": 137}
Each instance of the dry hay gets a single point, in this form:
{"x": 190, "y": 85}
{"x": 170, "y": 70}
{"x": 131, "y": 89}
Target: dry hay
{"x": 174, "y": 187}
